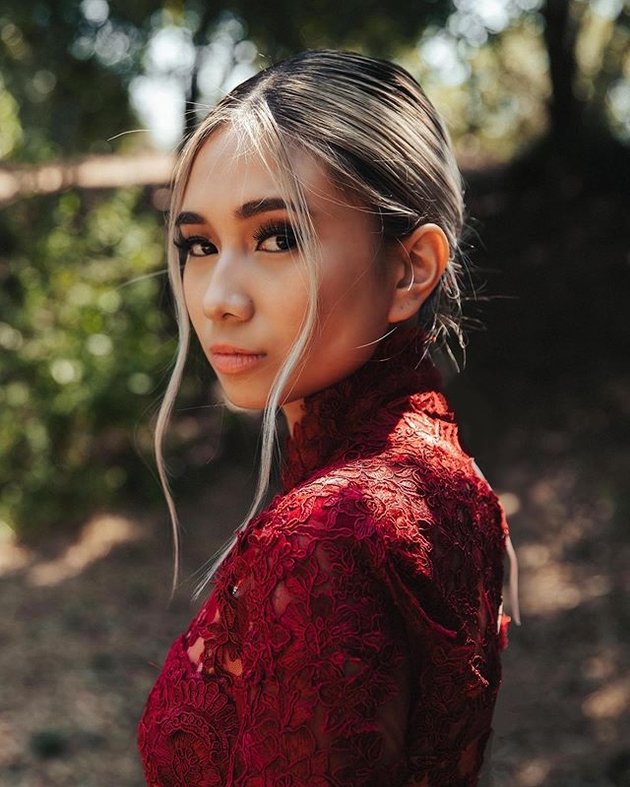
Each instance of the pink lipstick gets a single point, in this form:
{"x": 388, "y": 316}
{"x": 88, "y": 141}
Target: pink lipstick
{"x": 226, "y": 359}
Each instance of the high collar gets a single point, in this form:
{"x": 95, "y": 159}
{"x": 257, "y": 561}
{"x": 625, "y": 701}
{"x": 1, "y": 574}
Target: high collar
{"x": 335, "y": 414}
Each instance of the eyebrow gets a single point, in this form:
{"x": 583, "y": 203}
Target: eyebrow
{"x": 245, "y": 211}
{"x": 254, "y": 207}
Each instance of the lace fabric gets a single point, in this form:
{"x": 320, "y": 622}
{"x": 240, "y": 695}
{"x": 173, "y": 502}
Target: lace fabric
{"x": 353, "y": 634}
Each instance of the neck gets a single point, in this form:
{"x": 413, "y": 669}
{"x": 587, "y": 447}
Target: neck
{"x": 329, "y": 420}
{"x": 293, "y": 412}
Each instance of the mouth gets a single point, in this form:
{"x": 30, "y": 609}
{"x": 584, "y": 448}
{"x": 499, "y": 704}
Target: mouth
{"x": 226, "y": 359}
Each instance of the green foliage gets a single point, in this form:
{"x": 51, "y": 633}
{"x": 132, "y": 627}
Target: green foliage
{"x": 84, "y": 343}
{"x": 10, "y": 128}
{"x": 84, "y": 348}
{"x": 68, "y": 103}
{"x": 373, "y": 26}
{"x": 70, "y": 63}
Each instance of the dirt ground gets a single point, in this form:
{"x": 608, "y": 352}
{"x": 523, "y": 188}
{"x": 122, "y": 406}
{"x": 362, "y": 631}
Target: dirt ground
{"x": 86, "y": 625}
{"x": 544, "y": 408}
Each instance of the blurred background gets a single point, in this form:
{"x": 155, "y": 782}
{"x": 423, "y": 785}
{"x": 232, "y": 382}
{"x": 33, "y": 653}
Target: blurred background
{"x": 95, "y": 98}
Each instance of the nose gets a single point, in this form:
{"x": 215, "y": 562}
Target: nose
{"x": 225, "y": 297}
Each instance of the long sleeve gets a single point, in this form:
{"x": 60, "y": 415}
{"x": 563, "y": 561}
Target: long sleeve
{"x": 353, "y": 635}
{"x": 325, "y": 670}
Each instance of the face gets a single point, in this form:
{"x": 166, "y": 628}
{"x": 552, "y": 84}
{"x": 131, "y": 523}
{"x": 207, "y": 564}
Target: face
{"x": 245, "y": 283}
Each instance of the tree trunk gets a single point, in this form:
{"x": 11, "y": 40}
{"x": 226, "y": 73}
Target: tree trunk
{"x": 200, "y": 40}
{"x": 565, "y": 111}
{"x": 192, "y": 97}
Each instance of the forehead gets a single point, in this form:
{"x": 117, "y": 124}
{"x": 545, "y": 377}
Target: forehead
{"x": 229, "y": 169}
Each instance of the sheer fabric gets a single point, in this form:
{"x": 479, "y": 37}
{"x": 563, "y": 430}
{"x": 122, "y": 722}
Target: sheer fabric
{"x": 353, "y": 634}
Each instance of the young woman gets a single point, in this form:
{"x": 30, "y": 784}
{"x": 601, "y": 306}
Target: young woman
{"x": 353, "y": 631}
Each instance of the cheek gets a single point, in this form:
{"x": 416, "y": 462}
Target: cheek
{"x": 354, "y": 269}
{"x": 284, "y": 300}
{"x": 192, "y": 292}
{"x": 354, "y": 296}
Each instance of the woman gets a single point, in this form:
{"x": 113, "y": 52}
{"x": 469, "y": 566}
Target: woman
{"x": 353, "y": 632}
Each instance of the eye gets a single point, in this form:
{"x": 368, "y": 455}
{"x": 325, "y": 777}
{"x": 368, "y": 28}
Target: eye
{"x": 195, "y": 246}
{"x": 275, "y": 238}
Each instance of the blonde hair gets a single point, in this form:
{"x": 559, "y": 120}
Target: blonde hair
{"x": 382, "y": 141}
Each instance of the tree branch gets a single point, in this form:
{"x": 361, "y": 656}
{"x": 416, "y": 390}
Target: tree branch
{"x": 94, "y": 172}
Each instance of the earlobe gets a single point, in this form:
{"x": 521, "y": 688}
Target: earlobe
{"x": 421, "y": 259}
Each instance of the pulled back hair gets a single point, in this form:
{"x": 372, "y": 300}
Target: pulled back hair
{"x": 380, "y": 138}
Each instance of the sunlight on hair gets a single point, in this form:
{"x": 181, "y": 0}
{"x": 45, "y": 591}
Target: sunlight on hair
{"x": 384, "y": 145}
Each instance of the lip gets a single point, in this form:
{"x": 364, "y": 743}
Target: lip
{"x": 227, "y": 359}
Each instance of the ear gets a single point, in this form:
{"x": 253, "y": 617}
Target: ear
{"x": 420, "y": 259}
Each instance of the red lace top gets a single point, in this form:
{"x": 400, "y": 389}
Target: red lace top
{"x": 353, "y": 633}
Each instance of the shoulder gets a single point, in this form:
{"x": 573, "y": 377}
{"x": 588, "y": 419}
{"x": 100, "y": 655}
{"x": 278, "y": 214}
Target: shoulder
{"x": 351, "y": 539}
{"x": 407, "y": 478}
{"x": 335, "y": 503}
{"x": 402, "y": 495}
{"x": 359, "y": 508}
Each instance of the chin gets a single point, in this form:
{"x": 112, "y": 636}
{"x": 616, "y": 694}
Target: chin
{"x": 243, "y": 402}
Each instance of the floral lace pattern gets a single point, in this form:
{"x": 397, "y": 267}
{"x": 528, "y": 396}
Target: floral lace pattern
{"x": 353, "y": 634}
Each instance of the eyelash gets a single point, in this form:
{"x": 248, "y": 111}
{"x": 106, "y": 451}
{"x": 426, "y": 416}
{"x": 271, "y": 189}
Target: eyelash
{"x": 264, "y": 232}
{"x": 271, "y": 228}
{"x": 184, "y": 245}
